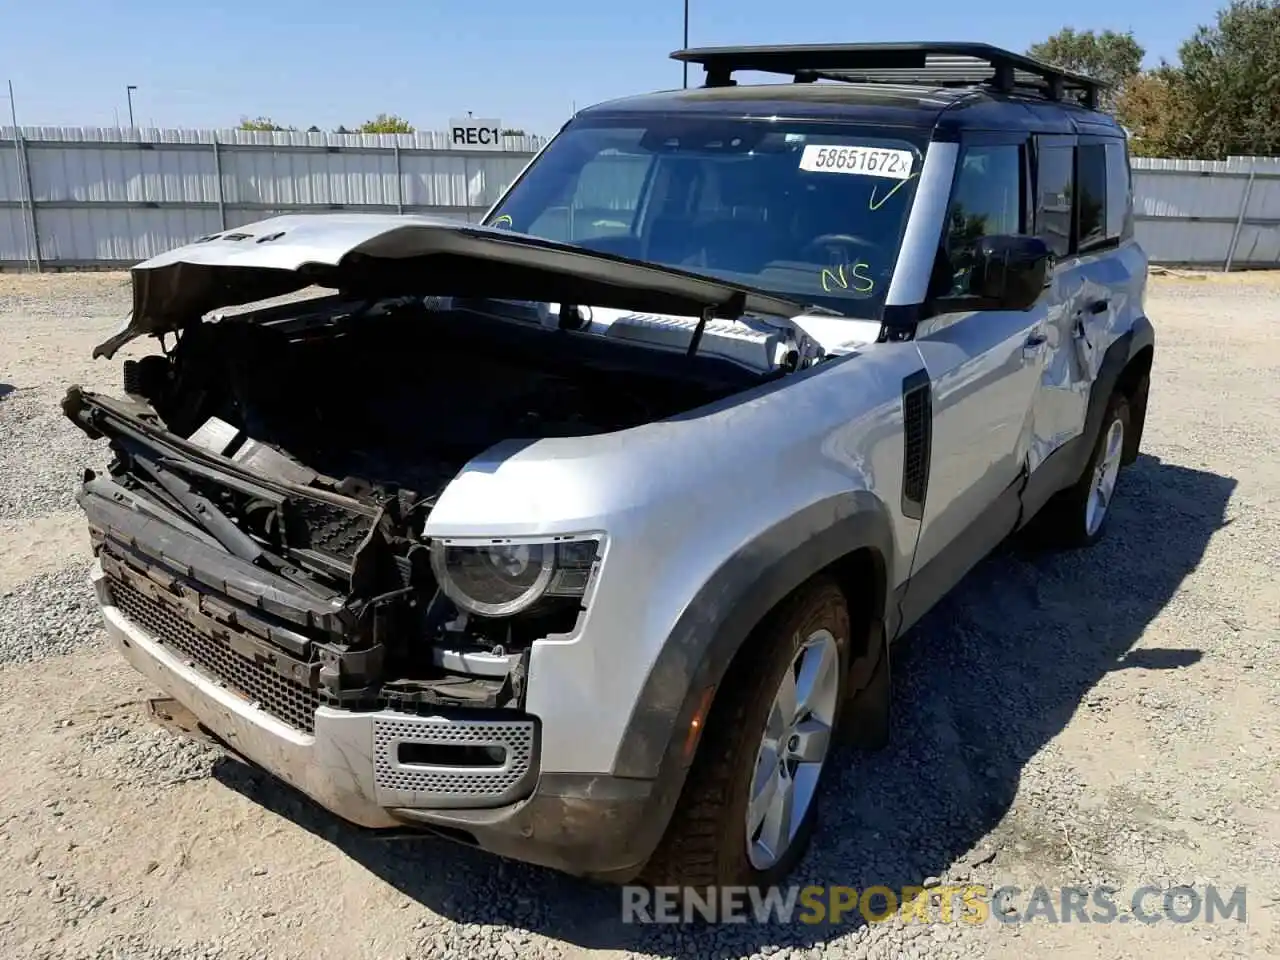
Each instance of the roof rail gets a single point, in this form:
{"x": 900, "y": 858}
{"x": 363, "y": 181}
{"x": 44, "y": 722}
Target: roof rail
{"x": 947, "y": 64}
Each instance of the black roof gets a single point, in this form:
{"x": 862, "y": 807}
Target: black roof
{"x": 947, "y": 86}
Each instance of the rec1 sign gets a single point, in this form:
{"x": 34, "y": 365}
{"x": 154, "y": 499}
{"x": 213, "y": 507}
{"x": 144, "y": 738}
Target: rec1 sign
{"x": 473, "y": 134}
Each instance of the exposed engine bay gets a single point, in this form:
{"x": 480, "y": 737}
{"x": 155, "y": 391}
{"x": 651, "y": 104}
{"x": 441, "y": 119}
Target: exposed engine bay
{"x": 273, "y": 472}
{"x": 395, "y": 393}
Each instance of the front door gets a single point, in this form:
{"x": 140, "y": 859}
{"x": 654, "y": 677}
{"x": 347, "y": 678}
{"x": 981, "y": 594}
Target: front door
{"x": 985, "y": 368}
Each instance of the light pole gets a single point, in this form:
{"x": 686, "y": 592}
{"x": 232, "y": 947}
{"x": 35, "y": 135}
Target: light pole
{"x": 128, "y": 92}
{"x": 686, "y": 43}
{"x": 20, "y": 170}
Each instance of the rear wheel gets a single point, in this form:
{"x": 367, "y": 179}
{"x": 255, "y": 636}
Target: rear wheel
{"x": 749, "y": 803}
{"x": 1077, "y": 517}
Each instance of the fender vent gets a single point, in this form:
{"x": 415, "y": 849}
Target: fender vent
{"x": 917, "y": 422}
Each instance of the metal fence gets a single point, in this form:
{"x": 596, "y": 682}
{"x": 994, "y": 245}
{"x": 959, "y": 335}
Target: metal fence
{"x": 72, "y": 197}
{"x": 76, "y": 198}
{"x": 1209, "y": 213}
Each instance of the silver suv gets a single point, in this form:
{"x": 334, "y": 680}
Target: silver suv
{"x": 582, "y": 534}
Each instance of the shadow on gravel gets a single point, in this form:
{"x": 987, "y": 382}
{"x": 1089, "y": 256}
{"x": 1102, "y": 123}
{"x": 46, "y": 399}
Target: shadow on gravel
{"x": 983, "y": 683}
{"x": 6, "y": 389}
{"x": 1159, "y": 659}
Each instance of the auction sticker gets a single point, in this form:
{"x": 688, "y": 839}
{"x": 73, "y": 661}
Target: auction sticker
{"x": 867, "y": 161}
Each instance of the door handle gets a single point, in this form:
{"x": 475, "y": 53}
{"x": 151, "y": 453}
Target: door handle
{"x": 1099, "y": 306}
{"x": 1031, "y": 346}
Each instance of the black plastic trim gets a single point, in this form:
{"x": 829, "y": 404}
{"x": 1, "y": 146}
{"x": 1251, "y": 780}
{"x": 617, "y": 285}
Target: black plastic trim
{"x": 917, "y": 442}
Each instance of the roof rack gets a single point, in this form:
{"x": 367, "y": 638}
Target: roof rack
{"x": 945, "y": 64}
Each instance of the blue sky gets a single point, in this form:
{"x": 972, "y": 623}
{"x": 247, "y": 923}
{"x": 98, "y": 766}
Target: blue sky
{"x": 524, "y": 62}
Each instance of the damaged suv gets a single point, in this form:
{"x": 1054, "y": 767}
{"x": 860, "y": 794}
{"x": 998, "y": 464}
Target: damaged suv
{"x": 582, "y": 534}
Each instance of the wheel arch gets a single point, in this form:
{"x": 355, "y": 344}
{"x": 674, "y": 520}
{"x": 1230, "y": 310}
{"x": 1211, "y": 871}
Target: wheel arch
{"x": 1125, "y": 367}
{"x": 847, "y": 537}
{"x": 1134, "y": 382}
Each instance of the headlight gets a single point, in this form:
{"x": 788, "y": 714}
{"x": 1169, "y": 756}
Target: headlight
{"x": 501, "y": 579}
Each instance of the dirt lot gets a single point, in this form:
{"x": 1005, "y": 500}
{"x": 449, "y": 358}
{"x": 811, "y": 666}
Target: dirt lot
{"x": 1110, "y": 717}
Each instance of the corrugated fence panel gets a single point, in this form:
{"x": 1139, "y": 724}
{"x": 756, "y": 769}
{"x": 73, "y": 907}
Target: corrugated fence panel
{"x": 122, "y": 175}
{"x": 1257, "y": 246}
{"x": 112, "y": 196}
{"x": 1264, "y": 200}
{"x": 11, "y": 185}
{"x": 15, "y": 237}
{"x": 1209, "y": 212}
{"x": 1178, "y": 242}
{"x": 238, "y": 218}
{"x": 118, "y": 196}
{"x": 308, "y": 177}
{"x": 1190, "y": 195}
{"x": 433, "y": 180}
{"x": 1259, "y": 240}
{"x": 81, "y": 235}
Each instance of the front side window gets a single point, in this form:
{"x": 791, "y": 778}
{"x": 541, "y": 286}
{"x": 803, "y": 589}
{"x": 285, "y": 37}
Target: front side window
{"x": 986, "y": 201}
{"x": 813, "y": 212}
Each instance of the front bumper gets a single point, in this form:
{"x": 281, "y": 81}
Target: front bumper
{"x": 350, "y": 764}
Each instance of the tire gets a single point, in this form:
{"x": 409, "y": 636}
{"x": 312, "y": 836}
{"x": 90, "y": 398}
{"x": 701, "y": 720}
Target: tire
{"x": 1071, "y": 518}
{"x": 706, "y": 842}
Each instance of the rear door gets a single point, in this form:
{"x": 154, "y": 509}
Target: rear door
{"x": 1058, "y": 410}
{"x": 1094, "y": 278}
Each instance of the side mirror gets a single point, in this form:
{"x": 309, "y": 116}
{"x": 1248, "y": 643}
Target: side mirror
{"x": 1011, "y": 271}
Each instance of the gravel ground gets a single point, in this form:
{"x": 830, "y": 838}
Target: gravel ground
{"x": 1072, "y": 719}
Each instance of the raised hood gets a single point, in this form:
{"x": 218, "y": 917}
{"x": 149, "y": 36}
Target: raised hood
{"x": 388, "y": 255}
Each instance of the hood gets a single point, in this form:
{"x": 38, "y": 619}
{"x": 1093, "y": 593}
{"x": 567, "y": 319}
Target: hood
{"x": 390, "y": 254}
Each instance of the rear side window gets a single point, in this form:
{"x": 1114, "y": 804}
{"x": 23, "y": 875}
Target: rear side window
{"x": 1091, "y": 197}
{"x": 1055, "y": 185}
{"x": 1119, "y": 191}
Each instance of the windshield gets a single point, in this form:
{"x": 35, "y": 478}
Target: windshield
{"x": 802, "y": 210}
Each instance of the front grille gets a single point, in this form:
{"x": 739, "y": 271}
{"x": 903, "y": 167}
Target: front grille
{"x": 331, "y": 529}
{"x": 285, "y": 699}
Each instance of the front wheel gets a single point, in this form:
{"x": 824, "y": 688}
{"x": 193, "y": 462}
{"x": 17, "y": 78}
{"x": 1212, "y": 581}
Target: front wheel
{"x": 749, "y": 804}
{"x": 1077, "y": 516}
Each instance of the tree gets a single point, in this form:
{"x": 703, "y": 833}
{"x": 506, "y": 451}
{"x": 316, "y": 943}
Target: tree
{"x": 385, "y": 123}
{"x": 1223, "y": 98}
{"x": 1114, "y": 58}
{"x": 1154, "y": 108}
{"x": 261, "y": 123}
{"x": 1229, "y": 81}
{"x": 513, "y": 132}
